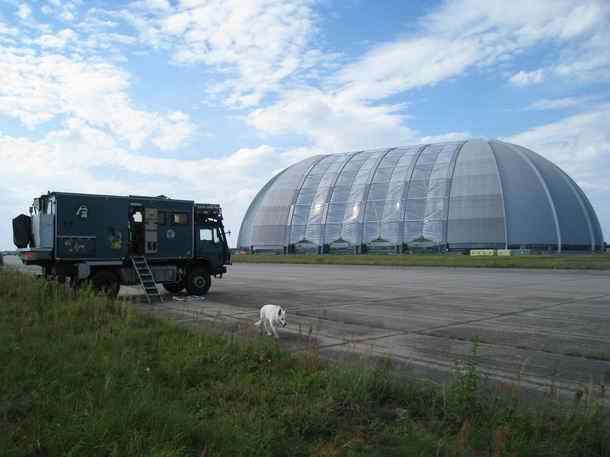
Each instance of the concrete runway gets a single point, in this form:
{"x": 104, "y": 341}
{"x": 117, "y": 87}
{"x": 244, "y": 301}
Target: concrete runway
{"x": 537, "y": 328}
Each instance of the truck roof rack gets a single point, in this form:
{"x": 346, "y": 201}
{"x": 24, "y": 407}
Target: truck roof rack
{"x": 208, "y": 210}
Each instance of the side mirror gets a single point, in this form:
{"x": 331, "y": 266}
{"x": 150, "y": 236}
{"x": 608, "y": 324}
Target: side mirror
{"x": 228, "y": 233}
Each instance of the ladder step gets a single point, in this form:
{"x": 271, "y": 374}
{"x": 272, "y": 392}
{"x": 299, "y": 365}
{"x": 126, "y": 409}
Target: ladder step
{"x": 147, "y": 279}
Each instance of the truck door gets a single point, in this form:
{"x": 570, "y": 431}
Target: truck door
{"x": 210, "y": 244}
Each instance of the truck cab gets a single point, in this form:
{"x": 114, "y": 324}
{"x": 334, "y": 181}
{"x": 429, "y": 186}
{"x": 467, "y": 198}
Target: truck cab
{"x": 119, "y": 240}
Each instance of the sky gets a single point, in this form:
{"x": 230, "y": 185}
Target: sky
{"x": 208, "y": 99}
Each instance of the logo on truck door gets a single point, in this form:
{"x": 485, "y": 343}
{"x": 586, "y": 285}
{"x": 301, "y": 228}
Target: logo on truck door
{"x": 82, "y": 211}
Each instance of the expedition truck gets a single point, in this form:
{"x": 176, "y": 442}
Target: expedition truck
{"x": 111, "y": 241}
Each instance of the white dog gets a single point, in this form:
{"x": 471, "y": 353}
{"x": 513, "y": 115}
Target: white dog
{"x": 270, "y": 316}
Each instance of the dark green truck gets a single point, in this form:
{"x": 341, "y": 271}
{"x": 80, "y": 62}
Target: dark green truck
{"x": 124, "y": 240}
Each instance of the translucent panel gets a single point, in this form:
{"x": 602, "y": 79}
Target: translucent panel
{"x": 372, "y": 231}
{"x": 390, "y": 160}
{"x": 306, "y": 196}
{"x": 383, "y": 175}
{"x": 335, "y": 213}
{"x": 297, "y": 233}
{"x": 374, "y": 211}
{"x": 357, "y": 193}
{"x": 418, "y": 189}
{"x": 427, "y": 196}
{"x": 328, "y": 180}
{"x": 438, "y": 188}
{"x": 362, "y": 178}
{"x": 436, "y": 208}
{"x": 322, "y": 195}
{"x": 395, "y": 191}
{"x": 394, "y": 156}
{"x": 313, "y": 233}
{"x": 391, "y": 232}
{"x": 440, "y": 171}
{"x": 401, "y": 173}
{"x": 445, "y": 155}
{"x": 416, "y": 209}
{"x": 315, "y": 214}
{"x": 413, "y": 230}
{"x": 352, "y": 212}
{"x": 433, "y": 231}
{"x": 407, "y": 158}
{"x": 346, "y": 178}
{"x": 392, "y": 210}
{"x": 265, "y": 222}
{"x": 377, "y": 191}
{"x": 352, "y": 233}
{"x": 332, "y": 232}
{"x": 422, "y": 171}
{"x": 312, "y": 181}
{"x": 300, "y": 214}
{"x": 476, "y": 208}
{"x": 354, "y": 165}
{"x": 428, "y": 156}
{"x": 340, "y": 194}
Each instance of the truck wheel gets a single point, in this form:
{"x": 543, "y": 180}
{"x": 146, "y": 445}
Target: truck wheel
{"x": 174, "y": 287}
{"x": 198, "y": 281}
{"x": 106, "y": 282}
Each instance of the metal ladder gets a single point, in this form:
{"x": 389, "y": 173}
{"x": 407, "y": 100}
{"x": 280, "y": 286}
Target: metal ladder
{"x": 146, "y": 278}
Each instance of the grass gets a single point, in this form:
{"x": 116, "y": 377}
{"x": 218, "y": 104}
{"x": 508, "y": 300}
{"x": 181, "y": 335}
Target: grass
{"x": 573, "y": 262}
{"x": 86, "y": 376}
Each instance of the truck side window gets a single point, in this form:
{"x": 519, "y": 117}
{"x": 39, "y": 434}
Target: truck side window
{"x": 181, "y": 219}
{"x": 206, "y": 234}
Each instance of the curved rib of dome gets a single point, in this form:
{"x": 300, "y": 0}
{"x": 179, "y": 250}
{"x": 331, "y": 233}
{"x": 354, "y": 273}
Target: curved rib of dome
{"x": 457, "y": 195}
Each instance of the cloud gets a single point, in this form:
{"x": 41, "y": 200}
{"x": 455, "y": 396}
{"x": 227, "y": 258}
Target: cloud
{"x": 70, "y": 160}
{"x": 39, "y": 87}
{"x": 446, "y": 137}
{"x": 579, "y": 143}
{"x": 56, "y": 40}
{"x": 332, "y": 122}
{"x": 24, "y": 11}
{"x": 560, "y": 103}
{"x": 527, "y": 78}
{"x": 351, "y": 108}
{"x": 255, "y": 45}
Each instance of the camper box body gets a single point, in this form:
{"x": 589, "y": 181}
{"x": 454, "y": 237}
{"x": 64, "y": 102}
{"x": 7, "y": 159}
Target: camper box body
{"x": 72, "y": 235}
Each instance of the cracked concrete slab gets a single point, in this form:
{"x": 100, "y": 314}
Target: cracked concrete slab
{"x": 535, "y": 327}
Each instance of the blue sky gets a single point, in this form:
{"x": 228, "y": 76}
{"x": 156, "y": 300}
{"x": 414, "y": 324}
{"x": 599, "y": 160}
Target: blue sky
{"x": 207, "y": 100}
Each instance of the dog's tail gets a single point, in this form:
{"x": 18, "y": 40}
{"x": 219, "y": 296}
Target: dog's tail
{"x": 257, "y": 323}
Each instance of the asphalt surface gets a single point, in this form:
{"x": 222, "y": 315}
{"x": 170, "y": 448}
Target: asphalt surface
{"x": 541, "y": 329}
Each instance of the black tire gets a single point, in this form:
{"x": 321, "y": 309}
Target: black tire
{"x": 198, "y": 281}
{"x": 174, "y": 287}
{"x": 106, "y": 282}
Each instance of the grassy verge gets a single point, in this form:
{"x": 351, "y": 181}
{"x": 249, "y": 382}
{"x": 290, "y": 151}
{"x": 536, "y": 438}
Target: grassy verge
{"x": 592, "y": 262}
{"x": 86, "y": 376}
